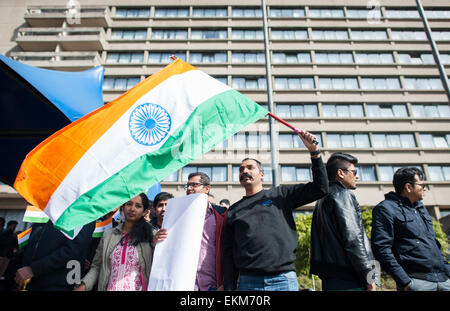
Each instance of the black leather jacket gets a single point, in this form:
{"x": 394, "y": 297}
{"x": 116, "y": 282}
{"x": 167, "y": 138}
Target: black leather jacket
{"x": 339, "y": 245}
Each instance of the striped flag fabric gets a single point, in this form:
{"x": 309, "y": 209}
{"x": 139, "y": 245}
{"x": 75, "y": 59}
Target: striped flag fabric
{"x": 35, "y": 215}
{"x": 100, "y": 161}
{"x": 22, "y": 238}
{"x": 101, "y": 227}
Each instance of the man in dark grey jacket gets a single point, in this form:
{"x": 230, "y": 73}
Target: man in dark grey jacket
{"x": 340, "y": 250}
{"x": 403, "y": 238}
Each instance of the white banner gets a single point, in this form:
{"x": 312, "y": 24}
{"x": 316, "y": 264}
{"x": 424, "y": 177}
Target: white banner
{"x": 175, "y": 259}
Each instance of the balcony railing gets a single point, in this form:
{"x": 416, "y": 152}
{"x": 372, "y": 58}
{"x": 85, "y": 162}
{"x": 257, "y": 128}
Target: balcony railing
{"x": 69, "y": 39}
{"x": 53, "y": 16}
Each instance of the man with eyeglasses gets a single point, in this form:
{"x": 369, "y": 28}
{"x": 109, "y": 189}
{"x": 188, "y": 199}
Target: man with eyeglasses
{"x": 340, "y": 250}
{"x": 260, "y": 237}
{"x": 403, "y": 238}
{"x": 209, "y": 270}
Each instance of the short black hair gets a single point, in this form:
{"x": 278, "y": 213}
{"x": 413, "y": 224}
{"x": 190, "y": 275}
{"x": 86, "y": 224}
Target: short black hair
{"x": 226, "y": 201}
{"x": 257, "y": 162}
{"x": 204, "y": 178}
{"x": 405, "y": 175}
{"x": 339, "y": 160}
{"x": 162, "y": 196}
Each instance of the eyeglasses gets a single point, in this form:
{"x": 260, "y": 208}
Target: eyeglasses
{"x": 421, "y": 185}
{"x": 354, "y": 172}
{"x": 193, "y": 185}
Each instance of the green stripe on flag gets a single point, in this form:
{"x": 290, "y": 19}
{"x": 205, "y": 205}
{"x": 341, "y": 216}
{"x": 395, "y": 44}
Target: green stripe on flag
{"x": 40, "y": 220}
{"x": 211, "y": 123}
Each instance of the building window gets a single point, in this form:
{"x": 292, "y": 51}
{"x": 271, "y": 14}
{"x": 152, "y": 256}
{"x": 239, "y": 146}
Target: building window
{"x": 120, "y": 83}
{"x": 288, "y": 34}
{"x": 398, "y": 13}
{"x": 393, "y": 141}
{"x": 334, "y": 58}
{"x": 423, "y": 84}
{"x": 435, "y": 140}
{"x": 386, "y": 172}
{"x": 161, "y": 34}
{"x": 293, "y": 141}
{"x": 338, "y": 83}
{"x": 286, "y": 12}
{"x": 246, "y": 12}
{"x": 439, "y": 173}
{"x": 348, "y": 140}
{"x": 343, "y": 110}
{"x": 366, "y": 172}
{"x": 441, "y": 35}
{"x": 247, "y": 34}
{"x": 171, "y": 12}
{"x": 208, "y": 34}
{"x": 369, "y": 35}
{"x": 164, "y": 57}
{"x": 380, "y": 83}
{"x": 294, "y": 83}
{"x": 122, "y": 34}
{"x": 297, "y": 111}
{"x": 215, "y": 173}
{"x": 329, "y": 34}
{"x": 251, "y": 140}
{"x": 431, "y": 111}
{"x": 438, "y": 14}
{"x": 248, "y": 57}
{"x": 291, "y": 58}
{"x": 224, "y": 80}
{"x": 130, "y": 13}
{"x": 172, "y": 177}
{"x": 374, "y": 58}
{"x": 209, "y": 12}
{"x": 325, "y": 13}
{"x": 249, "y": 83}
{"x": 125, "y": 58}
{"x": 409, "y": 35}
{"x": 415, "y": 58}
{"x": 208, "y": 57}
{"x": 364, "y": 13}
{"x": 386, "y": 111}
{"x": 295, "y": 173}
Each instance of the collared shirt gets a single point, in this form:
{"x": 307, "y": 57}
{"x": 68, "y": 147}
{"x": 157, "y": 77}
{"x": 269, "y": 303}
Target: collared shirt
{"x": 206, "y": 269}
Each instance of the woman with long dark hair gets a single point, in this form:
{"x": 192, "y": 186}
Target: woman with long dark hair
{"x": 123, "y": 257}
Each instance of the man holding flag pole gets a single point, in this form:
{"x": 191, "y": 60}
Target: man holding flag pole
{"x": 260, "y": 237}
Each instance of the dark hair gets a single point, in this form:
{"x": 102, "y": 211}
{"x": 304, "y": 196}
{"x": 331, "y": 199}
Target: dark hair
{"x": 226, "y": 201}
{"x": 204, "y": 178}
{"x": 257, "y": 162}
{"x": 141, "y": 231}
{"x": 339, "y": 160}
{"x": 405, "y": 175}
{"x": 162, "y": 196}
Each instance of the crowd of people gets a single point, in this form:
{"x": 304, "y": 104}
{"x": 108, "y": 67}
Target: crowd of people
{"x": 250, "y": 245}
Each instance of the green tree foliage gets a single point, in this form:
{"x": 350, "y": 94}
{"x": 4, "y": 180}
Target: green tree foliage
{"x": 303, "y": 225}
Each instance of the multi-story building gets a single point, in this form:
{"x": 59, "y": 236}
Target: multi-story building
{"x": 359, "y": 74}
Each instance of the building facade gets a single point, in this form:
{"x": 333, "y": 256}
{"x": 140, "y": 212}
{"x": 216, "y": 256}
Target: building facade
{"x": 359, "y": 74}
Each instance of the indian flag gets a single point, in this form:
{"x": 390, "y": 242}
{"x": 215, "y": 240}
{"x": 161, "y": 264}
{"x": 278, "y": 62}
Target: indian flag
{"x": 101, "y": 227}
{"x": 100, "y": 161}
{"x": 22, "y": 238}
{"x": 35, "y": 215}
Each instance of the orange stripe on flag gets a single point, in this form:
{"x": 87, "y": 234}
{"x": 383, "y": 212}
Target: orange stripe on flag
{"x": 44, "y": 163}
{"x": 103, "y": 223}
{"x": 21, "y": 235}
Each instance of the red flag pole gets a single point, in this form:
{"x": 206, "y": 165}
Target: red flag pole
{"x": 290, "y": 126}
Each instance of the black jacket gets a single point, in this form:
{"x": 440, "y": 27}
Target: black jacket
{"x": 48, "y": 253}
{"x": 404, "y": 242}
{"x": 339, "y": 245}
